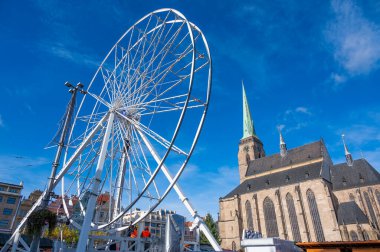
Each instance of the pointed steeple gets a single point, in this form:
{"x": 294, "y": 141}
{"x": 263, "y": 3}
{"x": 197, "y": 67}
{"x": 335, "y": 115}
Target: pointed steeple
{"x": 283, "y": 149}
{"x": 248, "y": 128}
{"x": 348, "y": 155}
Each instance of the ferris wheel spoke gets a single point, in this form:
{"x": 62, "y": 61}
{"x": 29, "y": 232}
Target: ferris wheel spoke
{"x": 164, "y": 50}
{"x": 158, "y": 138}
{"x": 170, "y": 110}
{"x": 145, "y": 160}
{"x": 151, "y": 80}
{"x": 165, "y": 72}
{"x": 100, "y": 99}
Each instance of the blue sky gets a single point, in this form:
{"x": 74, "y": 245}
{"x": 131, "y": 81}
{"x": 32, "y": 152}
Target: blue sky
{"x": 309, "y": 67}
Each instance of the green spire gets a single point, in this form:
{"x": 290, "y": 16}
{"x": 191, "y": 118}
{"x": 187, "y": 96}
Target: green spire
{"x": 248, "y": 128}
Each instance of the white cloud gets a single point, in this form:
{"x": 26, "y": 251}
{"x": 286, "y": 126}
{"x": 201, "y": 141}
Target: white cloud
{"x": 362, "y": 134}
{"x": 354, "y": 39}
{"x": 303, "y": 110}
{"x": 61, "y": 51}
{"x": 338, "y": 78}
{"x": 295, "y": 119}
{"x": 14, "y": 168}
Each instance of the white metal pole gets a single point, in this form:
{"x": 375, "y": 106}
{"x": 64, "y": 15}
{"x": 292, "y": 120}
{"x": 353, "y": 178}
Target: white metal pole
{"x": 120, "y": 182}
{"x": 86, "y": 227}
{"x": 198, "y": 220}
{"x": 15, "y": 242}
{"x": 58, "y": 178}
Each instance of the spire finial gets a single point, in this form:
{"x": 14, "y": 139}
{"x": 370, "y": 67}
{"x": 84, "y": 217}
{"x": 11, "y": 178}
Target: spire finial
{"x": 248, "y": 128}
{"x": 348, "y": 155}
{"x": 283, "y": 149}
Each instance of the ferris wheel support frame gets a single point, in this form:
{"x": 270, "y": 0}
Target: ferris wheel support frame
{"x": 198, "y": 220}
{"x": 86, "y": 227}
{"x": 106, "y": 123}
{"x": 57, "y": 179}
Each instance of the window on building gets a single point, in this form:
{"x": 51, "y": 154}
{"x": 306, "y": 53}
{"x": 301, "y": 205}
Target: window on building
{"x": 352, "y": 197}
{"x": 365, "y": 235}
{"x": 354, "y": 236}
{"x": 101, "y": 215}
{"x": 361, "y": 178}
{"x": 315, "y": 216}
{"x": 378, "y": 196}
{"x": 11, "y": 200}
{"x": 293, "y": 218}
{"x": 4, "y": 223}
{"x": 270, "y": 218}
{"x": 1, "y": 198}
{"x": 233, "y": 246}
{"x": 7, "y": 211}
{"x": 13, "y": 190}
{"x": 2, "y": 188}
{"x": 370, "y": 208}
{"x": 344, "y": 181}
{"x": 248, "y": 187}
{"x": 248, "y": 214}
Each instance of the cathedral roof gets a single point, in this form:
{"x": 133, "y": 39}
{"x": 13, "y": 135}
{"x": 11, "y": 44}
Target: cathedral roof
{"x": 294, "y": 156}
{"x": 360, "y": 174}
{"x": 350, "y": 213}
{"x": 277, "y": 179}
{"x": 300, "y": 164}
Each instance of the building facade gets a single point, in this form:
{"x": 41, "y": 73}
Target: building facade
{"x": 155, "y": 221}
{"x": 26, "y": 205}
{"x": 299, "y": 194}
{"x": 10, "y": 198}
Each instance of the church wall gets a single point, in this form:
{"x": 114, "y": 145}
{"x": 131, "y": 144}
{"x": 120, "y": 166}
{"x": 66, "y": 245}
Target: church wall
{"x": 229, "y": 222}
{"x": 305, "y": 224}
{"x": 358, "y": 232}
{"x": 325, "y": 208}
{"x": 357, "y": 194}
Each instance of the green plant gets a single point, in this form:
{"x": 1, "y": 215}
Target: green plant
{"x": 38, "y": 219}
{"x": 212, "y": 225}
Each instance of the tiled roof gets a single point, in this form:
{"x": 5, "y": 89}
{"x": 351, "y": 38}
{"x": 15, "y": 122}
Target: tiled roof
{"x": 300, "y": 154}
{"x": 360, "y": 174}
{"x": 350, "y": 213}
{"x": 297, "y": 157}
{"x": 291, "y": 176}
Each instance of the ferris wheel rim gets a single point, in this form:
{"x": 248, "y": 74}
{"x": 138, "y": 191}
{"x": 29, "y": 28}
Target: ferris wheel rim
{"x": 190, "y": 27}
{"x": 172, "y": 184}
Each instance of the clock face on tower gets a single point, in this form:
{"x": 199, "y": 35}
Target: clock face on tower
{"x": 246, "y": 148}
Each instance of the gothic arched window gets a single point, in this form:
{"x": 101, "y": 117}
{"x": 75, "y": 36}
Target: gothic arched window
{"x": 370, "y": 208}
{"x": 293, "y": 218}
{"x": 365, "y": 236}
{"x": 233, "y": 246}
{"x": 378, "y": 196}
{"x": 247, "y": 158}
{"x": 270, "y": 218}
{"x": 248, "y": 214}
{"x": 354, "y": 236}
{"x": 315, "y": 216}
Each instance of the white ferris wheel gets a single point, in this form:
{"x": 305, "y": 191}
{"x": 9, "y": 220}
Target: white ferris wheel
{"x": 138, "y": 123}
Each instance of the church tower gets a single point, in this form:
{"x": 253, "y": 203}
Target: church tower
{"x": 250, "y": 146}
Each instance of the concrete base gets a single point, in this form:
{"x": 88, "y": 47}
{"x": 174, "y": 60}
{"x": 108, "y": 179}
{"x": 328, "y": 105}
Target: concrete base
{"x": 269, "y": 245}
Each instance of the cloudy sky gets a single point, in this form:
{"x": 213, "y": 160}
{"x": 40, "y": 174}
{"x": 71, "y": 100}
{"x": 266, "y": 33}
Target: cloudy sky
{"x": 309, "y": 67}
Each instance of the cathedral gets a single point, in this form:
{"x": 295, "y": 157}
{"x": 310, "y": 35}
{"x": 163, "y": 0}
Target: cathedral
{"x": 299, "y": 194}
